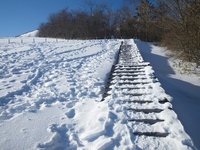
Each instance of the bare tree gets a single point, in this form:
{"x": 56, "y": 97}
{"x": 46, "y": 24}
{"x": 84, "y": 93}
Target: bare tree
{"x": 184, "y": 34}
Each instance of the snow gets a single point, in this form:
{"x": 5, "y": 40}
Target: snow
{"x": 183, "y": 85}
{"x": 50, "y": 93}
{"x": 30, "y": 34}
{"x": 144, "y": 113}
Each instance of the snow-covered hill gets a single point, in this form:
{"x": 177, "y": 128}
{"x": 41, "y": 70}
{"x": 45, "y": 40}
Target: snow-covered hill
{"x": 30, "y": 34}
{"x": 50, "y": 92}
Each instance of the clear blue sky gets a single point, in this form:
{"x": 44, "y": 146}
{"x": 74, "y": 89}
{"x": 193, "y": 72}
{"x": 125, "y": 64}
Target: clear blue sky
{"x": 20, "y": 16}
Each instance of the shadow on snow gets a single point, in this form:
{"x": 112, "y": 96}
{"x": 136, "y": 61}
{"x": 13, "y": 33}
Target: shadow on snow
{"x": 186, "y": 97}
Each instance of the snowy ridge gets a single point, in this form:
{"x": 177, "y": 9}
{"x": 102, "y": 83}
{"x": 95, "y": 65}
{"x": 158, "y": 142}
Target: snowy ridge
{"x": 30, "y": 34}
{"x": 135, "y": 90}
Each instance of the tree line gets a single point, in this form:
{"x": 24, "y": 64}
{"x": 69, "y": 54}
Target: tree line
{"x": 102, "y": 22}
{"x": 174, "y": 23}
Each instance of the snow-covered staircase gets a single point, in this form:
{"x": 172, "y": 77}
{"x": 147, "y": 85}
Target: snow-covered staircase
{"x": 148, "y": 109}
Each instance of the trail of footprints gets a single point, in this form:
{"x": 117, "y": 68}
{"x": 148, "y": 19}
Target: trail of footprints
{"x": 134, "y": 87}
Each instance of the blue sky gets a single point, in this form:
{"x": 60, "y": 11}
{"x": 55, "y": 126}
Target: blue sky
{"x": 20, "y": 16}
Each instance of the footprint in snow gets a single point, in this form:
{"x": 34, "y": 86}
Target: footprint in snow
{"x": 71, "y": 113}
{"x": 12, "y": 80}
{"x": 8, "y": 87}
{"x": 70, "y": 104}
{"x": 59, "y": 140}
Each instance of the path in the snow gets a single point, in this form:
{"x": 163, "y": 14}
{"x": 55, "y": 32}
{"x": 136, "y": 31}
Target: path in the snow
{"x": 150, "y": 116}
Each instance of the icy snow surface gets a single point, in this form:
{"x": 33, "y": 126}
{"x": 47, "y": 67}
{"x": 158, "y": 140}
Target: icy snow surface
{"x": 50, "y": 92}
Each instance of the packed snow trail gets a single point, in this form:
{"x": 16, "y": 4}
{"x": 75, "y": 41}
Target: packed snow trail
{"x": 148, "y": 109}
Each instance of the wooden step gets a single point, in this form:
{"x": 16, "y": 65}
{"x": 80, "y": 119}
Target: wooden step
{"x": 146, "y": 111}
{"x": 129, "y": 71}
{"x": 127, "y": 74}
{"x": 163, "y": 101}
{"x": 133, "y": 78}
{"x": 130, "y": 88}
{"x": 139, "y": 101}
{"x": 134, "y": 64}
{"x": 133, "y": 83}
{"x": 154, "y": 134}
{"x": 135, "y": 94}
{"x": 147, "y": 121}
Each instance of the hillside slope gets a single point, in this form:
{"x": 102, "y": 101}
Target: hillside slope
{"x": 50, "y": 93}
